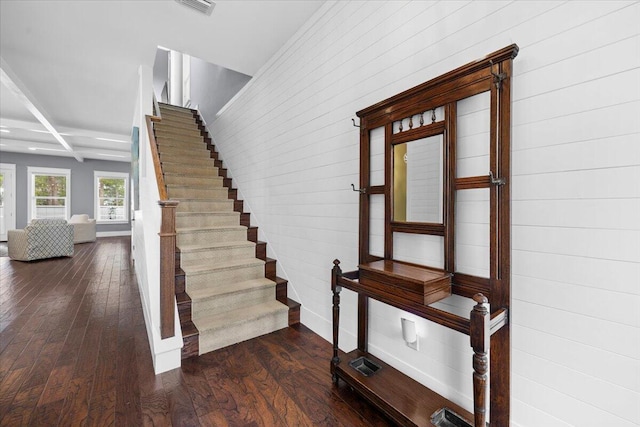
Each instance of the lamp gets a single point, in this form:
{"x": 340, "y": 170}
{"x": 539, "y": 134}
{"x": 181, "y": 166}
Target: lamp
{"x": 409, "y": 333}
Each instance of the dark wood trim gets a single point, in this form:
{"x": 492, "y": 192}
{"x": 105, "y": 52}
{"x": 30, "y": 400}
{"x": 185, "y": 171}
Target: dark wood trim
{"x": 449, "y": 191}
{"x": 388, "y": 192}
{"x": 473, "y": 182}
{"x": 167, "y": 267}
{"x": 425, "y": 131}
{"x": 439, "y": 84}
{"x": 363, "y": 322}
{"x": 467, "y": 285}
{"x": 418, "y": 228}
{"x": 376, "y": 189}
{"x": 364, "y": 199}
{"x": 501, "y": 290}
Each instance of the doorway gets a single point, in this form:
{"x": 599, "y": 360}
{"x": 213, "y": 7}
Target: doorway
{"x": 7, "y": 199}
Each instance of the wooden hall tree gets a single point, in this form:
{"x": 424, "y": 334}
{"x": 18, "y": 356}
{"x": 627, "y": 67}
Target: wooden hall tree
{"x": 435, "y": 164}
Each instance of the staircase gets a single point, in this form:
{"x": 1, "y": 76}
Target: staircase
{"x": 227, "y": 289}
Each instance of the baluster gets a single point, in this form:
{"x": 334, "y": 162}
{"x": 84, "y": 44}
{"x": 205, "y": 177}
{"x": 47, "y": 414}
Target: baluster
{"x": 421, "y": 119}
{"x": 410, "y": 122}
{"x": 480, "y": 335}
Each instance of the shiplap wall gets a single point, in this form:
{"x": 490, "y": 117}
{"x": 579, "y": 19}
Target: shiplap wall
{"x": 291, "y": 149}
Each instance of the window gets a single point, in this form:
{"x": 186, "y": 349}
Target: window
{"x": 49, "y": 193}
{"x": 111, "y": 197}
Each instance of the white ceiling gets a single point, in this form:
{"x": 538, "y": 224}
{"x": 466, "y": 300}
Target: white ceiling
{"x": 80, "y": 60}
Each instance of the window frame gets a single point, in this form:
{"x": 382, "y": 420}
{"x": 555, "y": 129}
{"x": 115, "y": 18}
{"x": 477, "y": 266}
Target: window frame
{"x": 97, "y": 175}
{"x": 32, "y": 171}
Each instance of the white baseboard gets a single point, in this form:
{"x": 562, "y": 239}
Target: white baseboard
{"x": 113, "y": 233}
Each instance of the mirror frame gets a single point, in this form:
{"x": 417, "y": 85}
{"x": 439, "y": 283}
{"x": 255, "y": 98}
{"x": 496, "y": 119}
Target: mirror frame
{"x": 426, "y": 131}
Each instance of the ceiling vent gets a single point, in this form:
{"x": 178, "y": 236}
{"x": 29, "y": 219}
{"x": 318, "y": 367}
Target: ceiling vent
{"x": 202, "y": 6}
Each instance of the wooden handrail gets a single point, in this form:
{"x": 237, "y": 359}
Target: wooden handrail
{"x": 167, "y": 241}
{"x": 157, "y": 167}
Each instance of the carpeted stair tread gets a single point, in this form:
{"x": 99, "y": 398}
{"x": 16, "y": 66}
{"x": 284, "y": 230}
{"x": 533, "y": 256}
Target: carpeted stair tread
{"x": 211, "y": 228}
{"x": 230, "y": 288}
{"x": 202, "y": 205}
{"x": 204, "y": 193}
{"x": 188, "y": 215}
{"x": 221, "y": 320}
{"x": 173, "y": 160}
{"x": 196, "y": 151}
{"x": 229, "y": 319}
{"x": 177, "y": 140}
{"x": 208, "y": 176}
{"x": 196, "y": 178}
{"x": 227, "y": 265}
{"x": 185, "y": 249}
{"x": 171, "y": 123}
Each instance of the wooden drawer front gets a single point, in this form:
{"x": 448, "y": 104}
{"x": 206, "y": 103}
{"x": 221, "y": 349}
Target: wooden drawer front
{"x": 397, "y": 281}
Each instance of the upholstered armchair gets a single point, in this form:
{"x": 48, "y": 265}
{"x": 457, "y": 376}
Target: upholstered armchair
{"x": 84, "y": 228}
{"x": 43, "y": 238}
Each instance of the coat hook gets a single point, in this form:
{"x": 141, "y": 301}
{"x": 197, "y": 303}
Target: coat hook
{"x": 495, "y": 181}
{"x": 354, "y": 123}
{"x": 497, "y": 78}
{"x": 359, "y": 190}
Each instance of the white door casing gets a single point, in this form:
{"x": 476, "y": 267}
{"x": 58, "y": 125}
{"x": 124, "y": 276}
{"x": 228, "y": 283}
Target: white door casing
{"x": 7, "y": 199}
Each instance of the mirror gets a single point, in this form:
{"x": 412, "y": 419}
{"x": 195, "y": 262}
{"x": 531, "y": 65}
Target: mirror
{"x": 418, "y": 181}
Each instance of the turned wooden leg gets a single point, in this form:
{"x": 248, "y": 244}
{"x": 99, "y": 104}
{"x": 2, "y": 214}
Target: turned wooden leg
{"x": 480, "y": 336}
{"x": 335, "y": 273}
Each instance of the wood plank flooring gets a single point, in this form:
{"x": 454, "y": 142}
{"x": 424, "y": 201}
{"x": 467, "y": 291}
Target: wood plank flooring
{"x": 74, "y": 351}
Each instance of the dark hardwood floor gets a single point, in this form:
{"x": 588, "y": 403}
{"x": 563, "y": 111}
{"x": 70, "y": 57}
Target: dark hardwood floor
{"x": 74, "y": 351}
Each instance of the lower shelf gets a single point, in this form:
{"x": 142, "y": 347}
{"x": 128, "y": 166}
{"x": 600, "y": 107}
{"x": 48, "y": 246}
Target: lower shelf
{"x": 402, "y": 399}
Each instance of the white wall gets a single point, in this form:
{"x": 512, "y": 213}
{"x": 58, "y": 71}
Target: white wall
{"x": 292, "y": 151}
{"x": 145, "y": 242}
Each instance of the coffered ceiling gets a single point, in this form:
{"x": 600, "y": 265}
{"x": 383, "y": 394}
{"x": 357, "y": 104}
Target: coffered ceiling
{"x": 79, "y": 60}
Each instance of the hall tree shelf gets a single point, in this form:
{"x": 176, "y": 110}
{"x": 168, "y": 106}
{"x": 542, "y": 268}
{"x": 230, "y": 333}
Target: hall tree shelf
{"x": 426, "y": 185}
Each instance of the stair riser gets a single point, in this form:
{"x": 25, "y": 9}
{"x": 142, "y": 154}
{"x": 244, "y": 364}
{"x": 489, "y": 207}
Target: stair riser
{"x": 234, "y": 301}
{"x": 216, "y": 339}
{"x": 206, "y": 206}
{"x": 209, "y": 182}
{"x": 215, "y": 255}
{"x": 177, "y": 168}
{"x": 195, "y": 193}
{"x": 208, "y": 220}
{"x": 197, "y": 282}
{"x": 206, "y": 236}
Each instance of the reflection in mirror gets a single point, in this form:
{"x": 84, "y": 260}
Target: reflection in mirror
{"x": 417, "y": 180}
